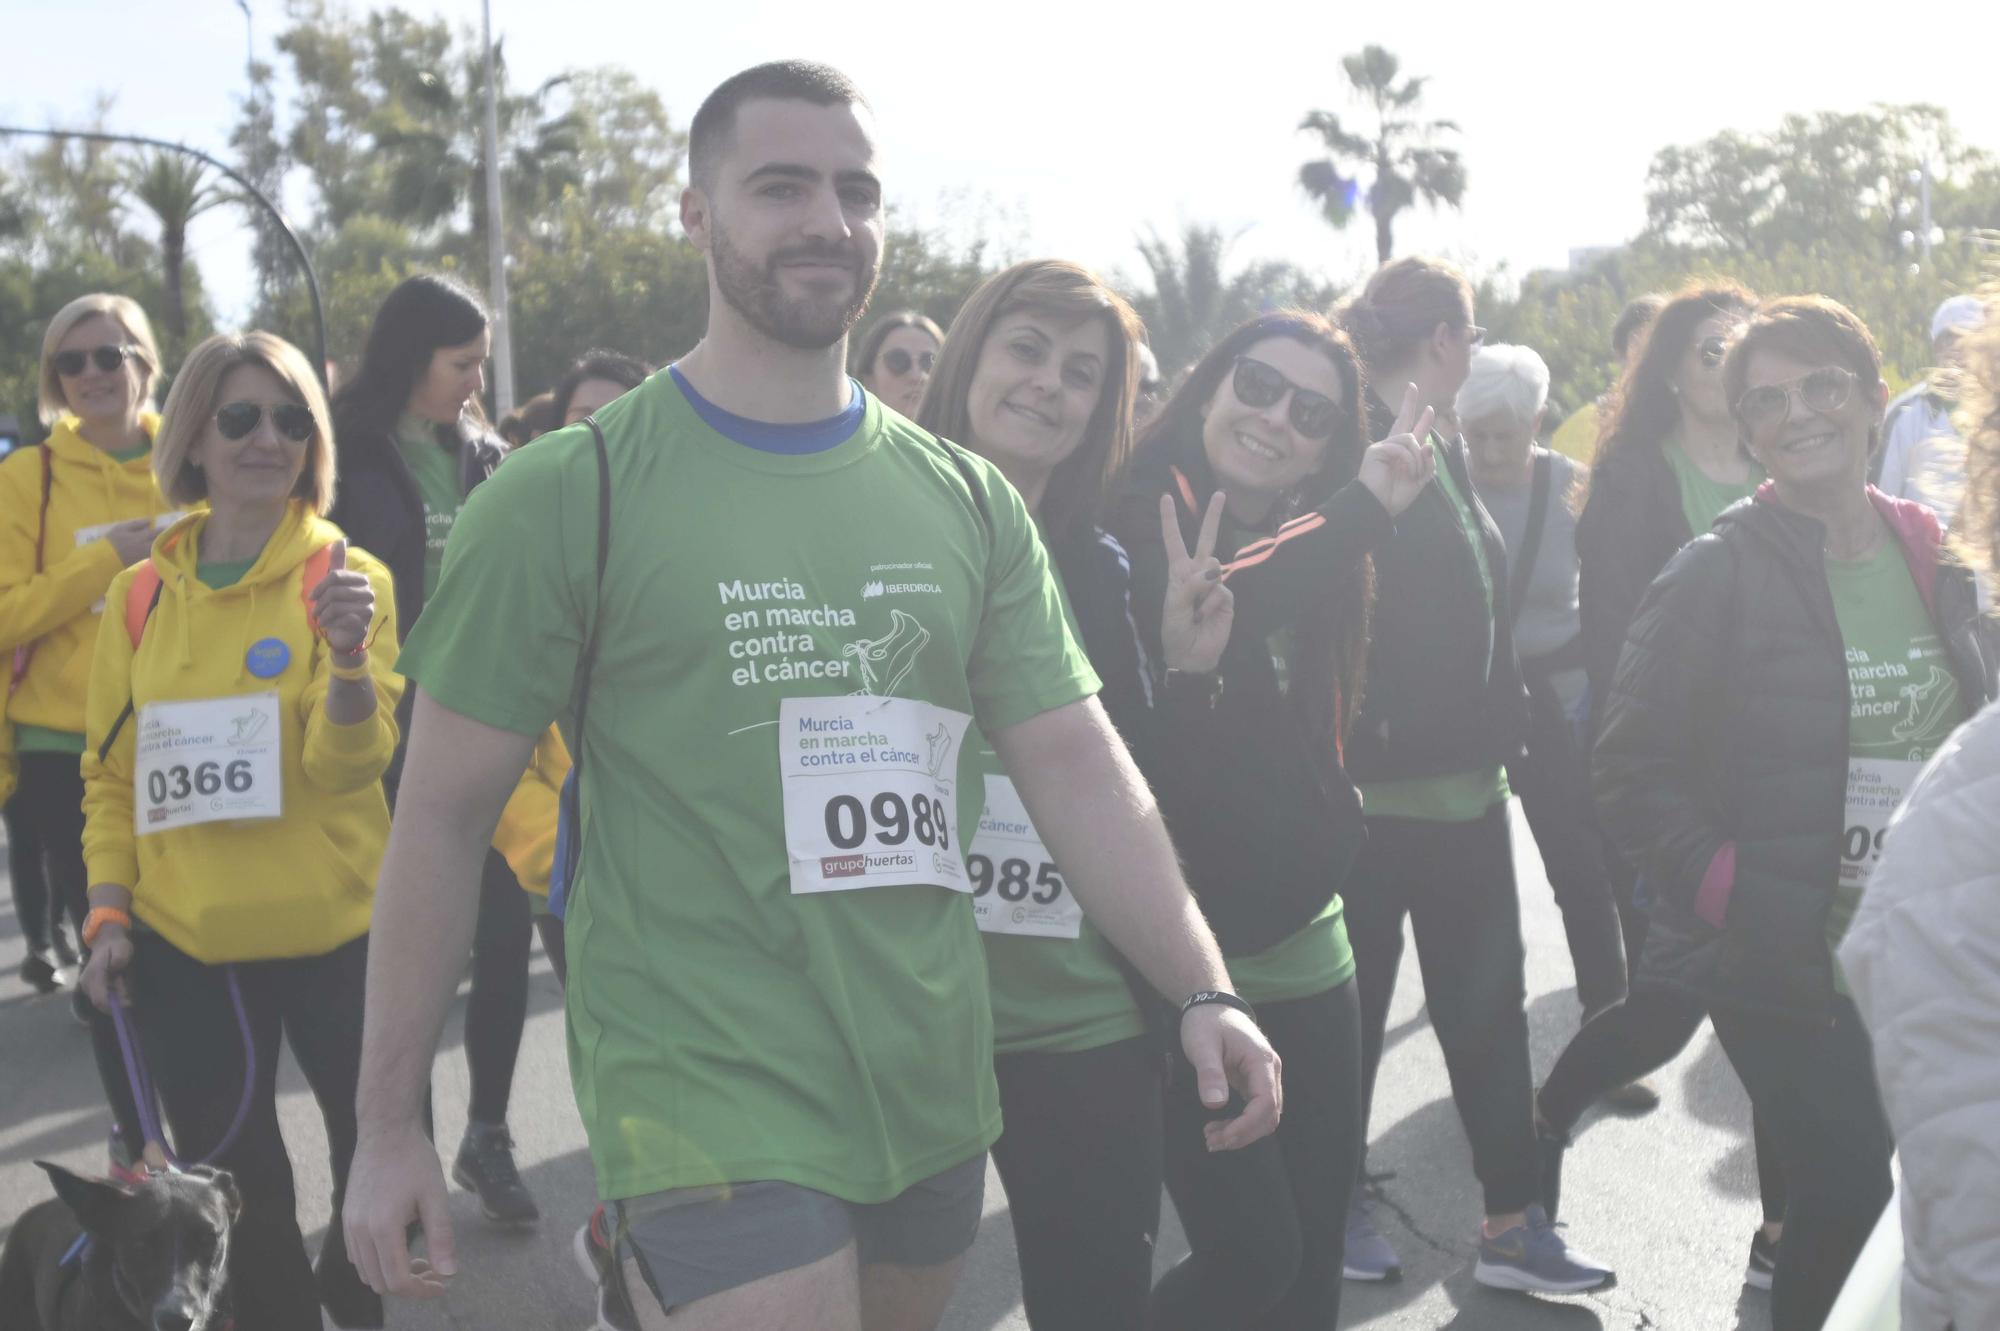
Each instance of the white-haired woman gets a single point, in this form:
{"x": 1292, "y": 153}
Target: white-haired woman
{"x": 1527, "y": 489}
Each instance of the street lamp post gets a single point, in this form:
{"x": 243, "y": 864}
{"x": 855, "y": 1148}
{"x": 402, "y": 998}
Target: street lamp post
{"x": 291, "y": 236}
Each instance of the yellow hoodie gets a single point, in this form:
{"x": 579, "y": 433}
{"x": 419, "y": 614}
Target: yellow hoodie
{"x": 57, "y": 609}
{"x": 526, "y": 835}
{"x": 251, "y": 889}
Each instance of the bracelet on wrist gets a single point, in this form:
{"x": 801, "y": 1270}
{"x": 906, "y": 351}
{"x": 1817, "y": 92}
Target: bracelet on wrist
{"x": 353, "y": 674}
{"x": 93, "y": 923}
{"x": 1219, "y": 997}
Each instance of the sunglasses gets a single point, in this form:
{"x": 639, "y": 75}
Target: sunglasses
{"x": 237, "y": 419}
{"x": 107, "y": 358}
{"x": 1478, "y": 336}
{"x": 1712, "y": 351}
{"x": 898, "y": 361}
{"x": 1765, "y": 410}
{"x": 1257, "y": 385}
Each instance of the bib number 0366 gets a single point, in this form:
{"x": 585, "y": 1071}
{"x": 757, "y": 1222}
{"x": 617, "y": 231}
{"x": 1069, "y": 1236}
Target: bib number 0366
{"x": 888, "y": 818}
{"x": 210, "y": 778}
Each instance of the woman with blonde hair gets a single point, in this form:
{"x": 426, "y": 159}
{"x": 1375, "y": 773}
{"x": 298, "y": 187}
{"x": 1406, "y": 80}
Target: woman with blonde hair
{"x": 241, "y": 714}
{"x": 73, "y": 512}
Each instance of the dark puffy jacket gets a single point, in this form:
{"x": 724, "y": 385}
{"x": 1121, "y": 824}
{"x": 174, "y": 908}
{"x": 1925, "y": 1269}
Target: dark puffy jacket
{"x": 1444, "y": 691}
{"x": 1631, "y": 525}
{"x": 378, "y": 505}
{"x": 1721, "y": 770}
{"x": 1263, "y": 815}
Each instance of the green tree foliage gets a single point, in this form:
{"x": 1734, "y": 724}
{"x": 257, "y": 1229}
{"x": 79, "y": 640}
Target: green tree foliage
{"x": 175, "y": 189}
{"x": 1401, "y": 153}
{"x": 1193, "y": 298}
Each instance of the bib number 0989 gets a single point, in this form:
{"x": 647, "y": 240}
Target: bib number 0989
{"x": 1013, "y": 883}
{"x": 848, "y": 822}
{"x": 178, "y": 782}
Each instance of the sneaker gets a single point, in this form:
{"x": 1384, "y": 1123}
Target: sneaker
{"x": 595, "y": 1258}
{"x": 1634, "y": 1097}
{"x": 39, "y": 972}
{"x": 485, "y": 1165}
{"x": 1368, "y": 1256}
{"x": 1763, "y": 1261}
{"x": 1532, "y": 1258}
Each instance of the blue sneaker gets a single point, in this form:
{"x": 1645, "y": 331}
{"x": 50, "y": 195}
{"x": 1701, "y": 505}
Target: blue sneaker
{"x": 1368, "y": 1256}
{"x": 1532, "y": 1258}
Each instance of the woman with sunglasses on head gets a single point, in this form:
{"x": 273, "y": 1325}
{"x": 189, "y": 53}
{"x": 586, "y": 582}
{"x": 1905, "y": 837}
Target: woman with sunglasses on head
{"x": 895, "y": 359}
{"x": 1670, "y": 461}
{"x": 1444, "y": 712}
{"x": 1260, "y": 462}
{"x": 413, "y": 444}
{"x": 242, "y": 693}
{"x": 73, "y": 512}
{"x": 1784, "y": 680}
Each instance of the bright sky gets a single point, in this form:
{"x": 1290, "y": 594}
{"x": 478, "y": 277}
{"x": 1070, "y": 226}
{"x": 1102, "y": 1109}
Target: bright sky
{"x": 1073, "y": 126}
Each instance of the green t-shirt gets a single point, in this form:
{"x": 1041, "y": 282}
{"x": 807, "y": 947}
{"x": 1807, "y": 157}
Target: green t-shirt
{"x": 1703, "y": 498}
{"x": 41, "y": 739}
{"x": 1313, "y": 960}
{"x": 1459, "y": 797}
{"x": 436, "y": 470}
{"x": 1904, "y": 703}
{"x": 220, "y": 573}
{"x": 722, "y": 1027}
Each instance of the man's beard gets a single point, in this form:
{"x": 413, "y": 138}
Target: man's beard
{"x": 810, "y": 324}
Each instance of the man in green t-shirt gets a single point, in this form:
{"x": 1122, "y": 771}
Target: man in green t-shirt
{"x": 779, "y": 1034}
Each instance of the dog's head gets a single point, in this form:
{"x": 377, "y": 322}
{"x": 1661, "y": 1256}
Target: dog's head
{"x": 166, "y": 1244}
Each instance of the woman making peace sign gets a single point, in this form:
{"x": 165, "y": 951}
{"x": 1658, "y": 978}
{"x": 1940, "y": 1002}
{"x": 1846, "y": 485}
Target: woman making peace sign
{"x": 1264, "y": 448}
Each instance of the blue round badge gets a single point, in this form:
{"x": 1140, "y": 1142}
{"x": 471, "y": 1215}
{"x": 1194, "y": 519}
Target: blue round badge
{"x": 268, "y": 658}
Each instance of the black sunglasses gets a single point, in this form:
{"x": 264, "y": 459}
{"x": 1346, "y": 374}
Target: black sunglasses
{"x": 107, "y": 358}
{"x": 898, "y": 360}
{"x": 1257, "y": 385}
{"x": 1764, "y": 410}
{"x": 237, "y": 419}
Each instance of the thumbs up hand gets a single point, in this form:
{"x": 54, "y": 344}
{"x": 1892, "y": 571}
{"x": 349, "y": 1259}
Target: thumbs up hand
{"x": 344, "y": 604}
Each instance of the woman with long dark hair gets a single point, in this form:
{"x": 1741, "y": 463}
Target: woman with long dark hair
{"x": 1444, "y": 713}
{"x": 413, "y": 444}
{"x": 1261, "y": 460}
{"x": 896, "y": 357}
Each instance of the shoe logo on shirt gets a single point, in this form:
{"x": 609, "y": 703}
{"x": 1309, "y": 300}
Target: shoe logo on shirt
{"x": 885, "y": 662}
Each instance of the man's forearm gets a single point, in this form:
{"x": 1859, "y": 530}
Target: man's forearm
{"x": 1102, "y": 825}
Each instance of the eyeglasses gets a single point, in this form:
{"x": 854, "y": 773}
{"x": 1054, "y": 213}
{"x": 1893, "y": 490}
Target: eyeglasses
{"x": 1765, "y": 410}
{"x": 1712, "y": 351}
{"x": 1257, "y": 385}
{"x": 1478, "y": 336}
{"x": 237, "y": 419}
{"x": 69, "y": 364}
{"x": 898, "y": 361}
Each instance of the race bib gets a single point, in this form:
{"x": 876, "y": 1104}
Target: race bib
{"x": 1875, "y": 790}
{"x": 85, "y": 535}
{"x": 1015, "y": 886}
{"x": 207, "y": 761}
{"x": 870, "y": 788}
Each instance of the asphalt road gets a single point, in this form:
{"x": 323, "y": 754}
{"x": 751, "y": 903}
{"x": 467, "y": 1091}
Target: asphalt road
{"x": 1669, "y": 1199}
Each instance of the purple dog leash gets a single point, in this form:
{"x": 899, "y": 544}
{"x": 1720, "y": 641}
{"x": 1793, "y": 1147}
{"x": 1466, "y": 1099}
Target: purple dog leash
{"x": 142, "y": 1083}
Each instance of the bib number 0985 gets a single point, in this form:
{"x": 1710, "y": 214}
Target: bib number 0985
{"x": 849, "y": 822}
{"x": 178, "y": 782}
{"x": 1013, "y": 883}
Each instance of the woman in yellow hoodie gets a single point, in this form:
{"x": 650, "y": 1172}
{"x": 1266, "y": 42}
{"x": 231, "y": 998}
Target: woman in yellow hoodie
{"x": 73, "y": 512}
{"x": 241, "y": 714}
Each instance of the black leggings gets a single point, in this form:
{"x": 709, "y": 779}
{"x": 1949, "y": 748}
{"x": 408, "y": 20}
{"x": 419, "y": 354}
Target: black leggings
{"x": 188, "y": 1028}
{"x": 496, "y": 1011}
{"x": 1456, "y": 883}
{"x": 554, "y": 945}
{"x": 1640, "y": 1036}
{"x": 1267, "y": 1225}
{"x": 49, "y": 809}
{"x": 28, "y": 877}
{"x": 1814, "y": 1084}
{"x": 1080, "y": 1159}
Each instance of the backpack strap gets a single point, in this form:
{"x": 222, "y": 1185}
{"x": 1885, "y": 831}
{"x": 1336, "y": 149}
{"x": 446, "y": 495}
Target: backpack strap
{"x": 569, "y": 817}
{"x": 1523, "y": 560}
{"x": 149, "y": 578}
{"x": 26, "y": 651}
{"x": 311, "y": 574}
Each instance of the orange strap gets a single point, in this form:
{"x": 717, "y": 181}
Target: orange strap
{"x": 146, "y": 583}
{"x": 1259, "y": 550}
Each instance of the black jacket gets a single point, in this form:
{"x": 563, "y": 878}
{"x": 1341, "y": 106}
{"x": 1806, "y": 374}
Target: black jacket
{"x": 1631, "y": 525}
{"x": 378, "y": 505}
{"x": 1444, "y": 691}
{"x": 1727, "y": 727}
{"x": 1260, "y": 809}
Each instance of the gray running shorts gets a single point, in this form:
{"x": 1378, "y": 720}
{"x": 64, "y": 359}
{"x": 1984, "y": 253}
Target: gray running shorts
{"x": 689, "y": 1243}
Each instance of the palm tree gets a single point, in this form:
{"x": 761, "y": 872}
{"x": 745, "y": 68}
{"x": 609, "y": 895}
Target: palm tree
{"x": 1195, "y": 299}
{"x": 1403, "y": 151}
{"x": 176, "y": 190}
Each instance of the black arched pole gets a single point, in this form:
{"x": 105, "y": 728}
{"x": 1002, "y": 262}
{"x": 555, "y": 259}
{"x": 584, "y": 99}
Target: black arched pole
{"x": 271, "y": 207}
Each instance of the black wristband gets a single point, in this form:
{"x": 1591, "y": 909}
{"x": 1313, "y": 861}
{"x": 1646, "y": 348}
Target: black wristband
{"x": 1200, "y": 689}
{"x": 1221, "y": 996}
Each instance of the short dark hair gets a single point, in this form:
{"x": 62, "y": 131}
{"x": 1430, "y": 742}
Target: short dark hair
{"x": 1812, "y": 330}
{"x": 782, "y": 80}
{"x": 1633, "y": 319}
{"x": 615, "y": 367}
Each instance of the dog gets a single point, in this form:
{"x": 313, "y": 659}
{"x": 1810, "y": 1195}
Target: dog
{"x": 154, "y": 1258}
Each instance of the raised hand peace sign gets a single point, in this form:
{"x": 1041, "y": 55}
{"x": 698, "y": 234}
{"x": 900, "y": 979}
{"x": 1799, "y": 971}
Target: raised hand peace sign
{"x": 1397, "y": 469}
{"x": 1199, "y": 609}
